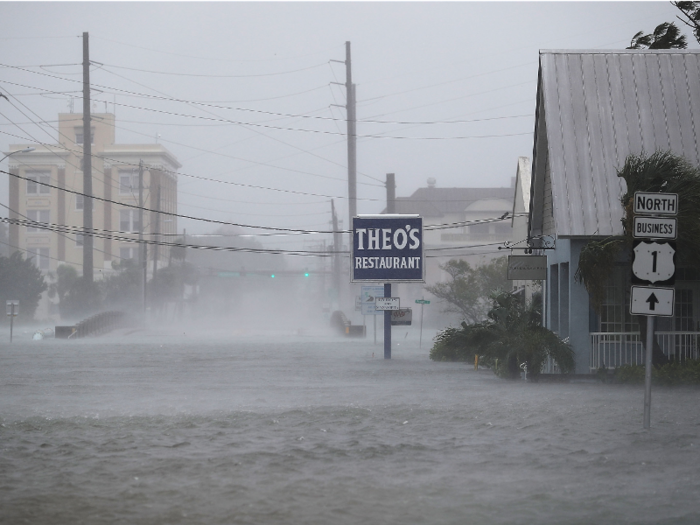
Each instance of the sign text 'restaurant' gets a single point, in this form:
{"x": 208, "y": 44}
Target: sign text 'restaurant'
{"x": 387, "y": 248}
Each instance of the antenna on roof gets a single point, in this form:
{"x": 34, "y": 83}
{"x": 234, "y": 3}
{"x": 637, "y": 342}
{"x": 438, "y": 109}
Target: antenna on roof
{"x": 431, "y": 182}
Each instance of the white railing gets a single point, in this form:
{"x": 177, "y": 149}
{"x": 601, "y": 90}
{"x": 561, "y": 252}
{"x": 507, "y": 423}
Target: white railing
{"x": 613, "y": 349}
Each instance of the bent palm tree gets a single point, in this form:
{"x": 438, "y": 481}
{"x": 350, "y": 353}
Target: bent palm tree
{"x": 512, "y": 335}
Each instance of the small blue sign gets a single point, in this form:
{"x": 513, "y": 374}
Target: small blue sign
{"x": 387, "y": 248}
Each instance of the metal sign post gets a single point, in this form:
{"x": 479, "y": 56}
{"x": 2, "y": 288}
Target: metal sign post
{"x": 367, "y": 304}
{"x": 387, "y": 249}
{"x": 421, "y": 302}
{"x": 653, "y": 263}
{"x": 12, "y": 309}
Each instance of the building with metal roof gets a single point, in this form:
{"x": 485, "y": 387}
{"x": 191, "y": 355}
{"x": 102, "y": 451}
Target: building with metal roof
{"x": 594, "y": 108}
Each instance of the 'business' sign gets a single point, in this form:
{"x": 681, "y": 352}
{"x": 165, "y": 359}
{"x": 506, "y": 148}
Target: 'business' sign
{"x": 387, "y": 248}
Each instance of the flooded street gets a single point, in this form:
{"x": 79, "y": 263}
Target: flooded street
{"x": 161, "y": 428}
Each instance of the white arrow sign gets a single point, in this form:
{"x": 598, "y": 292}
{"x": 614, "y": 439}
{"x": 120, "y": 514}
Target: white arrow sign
{"x": 653, "y": 261}
{"x": 645, "y": 300}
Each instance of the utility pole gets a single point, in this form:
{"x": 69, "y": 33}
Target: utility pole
{"x": 352, "y": 136}
{"x": 336, "y": 254}
{"x": 390, "y": 193}
{"x": 88, "y": 240}
{"x": 142, "y": 246}
{"x": 156, "y": 247}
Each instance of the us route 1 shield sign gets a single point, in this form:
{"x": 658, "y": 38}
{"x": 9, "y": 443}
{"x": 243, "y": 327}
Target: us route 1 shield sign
{"x": 653, "y": 262}
{"x": 387, "y": 248}
{"x": 645, "y": 300}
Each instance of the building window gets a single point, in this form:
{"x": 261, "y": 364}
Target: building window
{"x": 128, "y": 182}
{"x": 683, "y": 313}
{"x": 128, "y": 220}
{"x": 480, "y": 229}
{"x": 40, "y": 256}
{"x": 34, "y": 177}
{"x": 127, "y": 253}
{"x": 79, "y": 135}
{"x": 38, "y": 216}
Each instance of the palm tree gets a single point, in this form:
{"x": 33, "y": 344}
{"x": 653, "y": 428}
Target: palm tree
{"x": 511, "y": 336}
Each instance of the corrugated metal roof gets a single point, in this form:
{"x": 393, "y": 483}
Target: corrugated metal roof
{"x": 597, "y": 108}
{"x": 438, "y": 202}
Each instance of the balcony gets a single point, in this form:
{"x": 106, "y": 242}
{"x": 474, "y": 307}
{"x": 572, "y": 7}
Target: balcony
{"x": 613, "y": 349}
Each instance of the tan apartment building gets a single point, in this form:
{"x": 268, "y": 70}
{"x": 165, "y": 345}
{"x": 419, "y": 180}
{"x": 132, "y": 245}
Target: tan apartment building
{"x": 115, "y": 183}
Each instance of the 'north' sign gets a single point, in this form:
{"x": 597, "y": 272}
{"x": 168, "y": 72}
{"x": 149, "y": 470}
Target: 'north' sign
{"x": 387, "y": 248}
{"x": 655, "y": 203}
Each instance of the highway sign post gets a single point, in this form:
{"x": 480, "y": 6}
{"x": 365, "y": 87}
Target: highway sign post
{"x": 653, "y": 263}
{"x": 421, "y": 302}
{"x": 367, "y": 296}
{"x": 387, "y": 249}
{"x": 12, "y": 309}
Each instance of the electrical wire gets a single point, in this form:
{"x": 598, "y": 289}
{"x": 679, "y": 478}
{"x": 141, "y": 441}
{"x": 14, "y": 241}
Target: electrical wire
{"x": 293, "y": 230}
{"x": 207, "y": 75}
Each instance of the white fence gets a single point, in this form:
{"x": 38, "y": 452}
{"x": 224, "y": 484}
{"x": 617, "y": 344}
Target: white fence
{"x": 613, "y": 349}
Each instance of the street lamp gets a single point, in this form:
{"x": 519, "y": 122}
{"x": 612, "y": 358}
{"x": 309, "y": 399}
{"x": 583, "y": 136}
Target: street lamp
{"x": 25, "y": 150}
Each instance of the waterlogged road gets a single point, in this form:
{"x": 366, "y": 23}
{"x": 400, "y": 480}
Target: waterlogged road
{"x": 161, "y": 429}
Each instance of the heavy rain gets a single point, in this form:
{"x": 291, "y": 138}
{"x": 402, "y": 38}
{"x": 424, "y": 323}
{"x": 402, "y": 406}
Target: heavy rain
{"x": 330, "y": 262}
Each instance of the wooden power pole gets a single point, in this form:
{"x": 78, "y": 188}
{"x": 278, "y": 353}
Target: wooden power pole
{"x": 88, "y": 241}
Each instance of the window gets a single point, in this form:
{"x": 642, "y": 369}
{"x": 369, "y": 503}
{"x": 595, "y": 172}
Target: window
{"x": 128, "y": 182}
{"x": 479, "y": 229}
{"x": 38, "y": 216}
{"x": 40, "y": 257}
{"x": 127, "y": 253}
{"x": 79, "y": 202}
{"x": 128, "y": 220}
{"x": 44, "y": 177}
{"x": 79, "y": 135}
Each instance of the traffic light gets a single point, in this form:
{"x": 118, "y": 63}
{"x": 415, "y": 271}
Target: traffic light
{"x": 272, "y": 275}
{"x": 306, "y": 274}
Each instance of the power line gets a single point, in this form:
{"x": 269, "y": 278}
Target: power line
{"x": 133, "y": 206}
{"x": 282, "y": 128}
{"x": 208, "y": 75}
{"x": 214, "y": 58}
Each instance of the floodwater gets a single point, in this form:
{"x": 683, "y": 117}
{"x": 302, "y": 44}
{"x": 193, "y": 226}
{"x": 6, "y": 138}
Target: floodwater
{"x": 173, "y": 428}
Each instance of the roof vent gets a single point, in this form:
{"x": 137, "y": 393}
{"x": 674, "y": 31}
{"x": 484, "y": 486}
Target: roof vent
{"x": 431, "y": 182}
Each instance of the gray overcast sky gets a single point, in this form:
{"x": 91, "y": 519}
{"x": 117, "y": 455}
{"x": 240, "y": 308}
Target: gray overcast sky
{"x": 264, "y": 71}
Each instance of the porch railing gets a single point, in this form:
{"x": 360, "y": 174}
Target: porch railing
{"x": 613, "y": 349}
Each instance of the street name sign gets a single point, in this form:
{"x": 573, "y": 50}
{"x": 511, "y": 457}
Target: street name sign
{"x": 646, "y": 300}
{"x": 387, "y": 248}
{"x": 655, "y": 203}
{"x": 654, "y": 262}
{"x": 422, "y": 301}
{"x": 655, "y": 228}
{"x": 387, "y": 303}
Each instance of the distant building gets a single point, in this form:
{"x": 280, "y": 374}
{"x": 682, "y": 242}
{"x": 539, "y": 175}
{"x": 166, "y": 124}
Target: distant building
{"x": 476, "y": 237}
{"x": 115, "y": 179}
